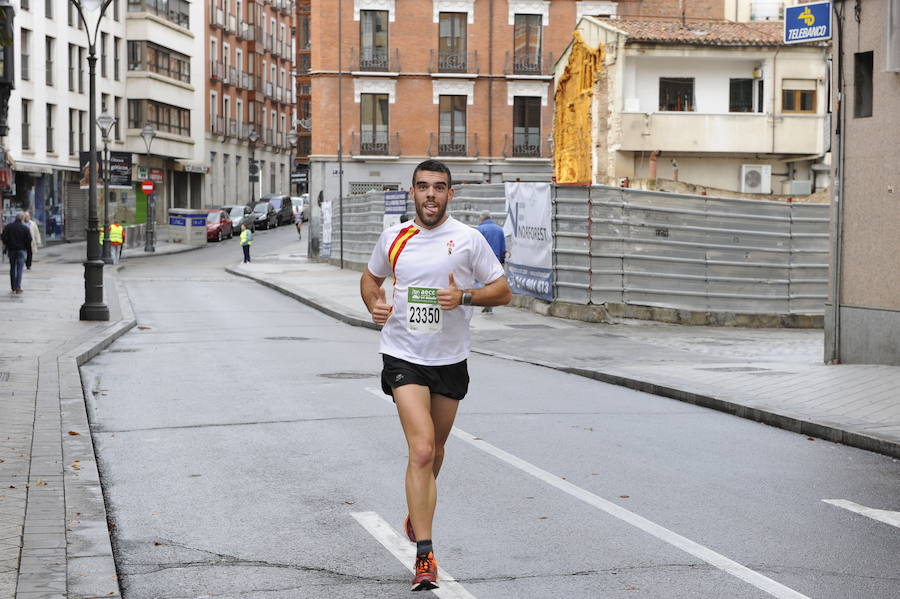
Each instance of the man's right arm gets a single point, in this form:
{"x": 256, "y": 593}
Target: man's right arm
{"x": 373, "y": 295}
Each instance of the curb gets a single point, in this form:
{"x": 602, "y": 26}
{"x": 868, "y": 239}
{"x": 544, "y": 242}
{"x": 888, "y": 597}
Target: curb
{"x": 90, "y": 564}
{"x": 779, "y": 420}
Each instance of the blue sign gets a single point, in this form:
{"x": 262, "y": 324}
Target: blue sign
{"x": 395, "y": 202}
{"x": 176, "y": 222}
{"x": 807, "y": 23}
{"x": 198, "y": 222}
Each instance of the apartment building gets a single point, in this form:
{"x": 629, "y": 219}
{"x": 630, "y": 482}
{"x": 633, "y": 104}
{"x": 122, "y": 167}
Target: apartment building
{"x": 303, "y": 87}
{"x": 48, "y": 111}
{"x": 715, "y": 104}
{"x": 250, "y": 98}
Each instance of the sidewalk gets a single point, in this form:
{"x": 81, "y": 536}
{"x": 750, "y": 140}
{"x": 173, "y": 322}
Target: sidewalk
{"x": 774, "y": 376}
{"x": 54, "y": 537}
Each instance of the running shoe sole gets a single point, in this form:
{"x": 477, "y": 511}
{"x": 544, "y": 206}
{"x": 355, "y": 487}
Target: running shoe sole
{"x": 425, "y": 585}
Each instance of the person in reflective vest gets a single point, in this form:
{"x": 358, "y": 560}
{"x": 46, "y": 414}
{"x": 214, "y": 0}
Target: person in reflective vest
{"x": 246, "y": 242}
{"x": 117, "y": 240}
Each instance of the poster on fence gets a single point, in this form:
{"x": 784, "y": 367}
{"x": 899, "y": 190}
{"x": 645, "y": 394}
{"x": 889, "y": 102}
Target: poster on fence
{"x": 325, "y": 248}
{"x": 394, "y": 207}
{"x": 528, "y": 227}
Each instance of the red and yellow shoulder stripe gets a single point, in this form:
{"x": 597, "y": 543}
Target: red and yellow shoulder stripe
{"x": 399, "y": 243}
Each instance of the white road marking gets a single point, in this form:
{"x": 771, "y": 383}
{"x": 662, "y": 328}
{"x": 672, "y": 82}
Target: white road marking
{"x": 709, "y": 556}
{"x": 886, "y": 516}
{"x": 405, "y": 551}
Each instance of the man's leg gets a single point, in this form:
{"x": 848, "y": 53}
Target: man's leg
{"x": 443, "y": 413}
{"x": 414, "y": 407}
{"x": 13, "y": 257}
{"x": 20, "y": 268}
{"x": 28, "y": 255}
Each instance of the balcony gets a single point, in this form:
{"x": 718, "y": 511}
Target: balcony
{"x": 216, "y": 70}
{"x": 249, "y": 32}
{"x": 216, "y": 16}
{"x": 246, "y": 81}
{"x": 217, "y": 125}
{"x": 453, "y": 62}
{"x": 453, "y": 145}
{"x": 231, "y": 76}
{"x": 269, "y": 89}
{"x": 375, "y": 144}
{"x": 528, "y": 64}
{"x": 268, "y": 42}
{"x": 233, "y": 129}
{"x": 752, "y": 133}
{"x": 526, "y": 145}
{"x": 375, "y": 60}
{"x": 270, "y": 137}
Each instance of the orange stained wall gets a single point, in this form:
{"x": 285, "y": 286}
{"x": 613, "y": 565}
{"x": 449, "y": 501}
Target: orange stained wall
{"x": 414, "y": 34}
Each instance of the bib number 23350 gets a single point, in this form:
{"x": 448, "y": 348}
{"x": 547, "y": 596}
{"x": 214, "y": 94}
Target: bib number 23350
{"x": 423, "y": 315}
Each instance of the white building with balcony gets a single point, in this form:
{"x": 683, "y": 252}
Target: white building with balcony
{"x": 719, "y": 105}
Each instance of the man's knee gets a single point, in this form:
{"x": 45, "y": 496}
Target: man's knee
{"x": 421, "y": 454}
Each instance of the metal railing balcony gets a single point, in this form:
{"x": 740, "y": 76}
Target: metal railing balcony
{"x": 231, "y": 23}
{"x": 216, "y": 70}
{"x": 267, "y": 42}
{"x": 528, "y": 64}
{"x": 231, "y": 76}
{"x": 249, "y": 32}
{"x": 270, "y": 89}
{"x": 453, "y": 62}
{"x": 270, "y": 137}
{"x": 526, "y": 145}
{"x": 453, "y": 144}
{"x": 233, "y": 128}
{"x": 374, "y": 144}
{"x": 246, "y": 80}
{"x": 217, "y": 125}
{"x": 375, "y": 60}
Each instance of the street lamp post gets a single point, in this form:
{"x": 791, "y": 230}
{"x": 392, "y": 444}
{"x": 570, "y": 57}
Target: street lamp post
{"x": 106, "y": 122}
{"x": 292, "y": 140}
{"x": 94, "y": 307}
{"x": 147, "y": 134}
{"x": 254, "y": 169}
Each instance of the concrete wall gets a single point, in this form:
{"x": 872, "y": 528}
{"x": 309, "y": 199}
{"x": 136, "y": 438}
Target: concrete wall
{"x": 869, "y": 317}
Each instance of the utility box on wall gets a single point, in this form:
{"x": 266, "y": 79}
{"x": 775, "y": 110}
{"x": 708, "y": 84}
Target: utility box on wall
{"x": 187, "y": 226}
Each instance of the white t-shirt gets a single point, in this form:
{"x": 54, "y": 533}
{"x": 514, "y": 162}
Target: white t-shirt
{"x": 421, "y": 261}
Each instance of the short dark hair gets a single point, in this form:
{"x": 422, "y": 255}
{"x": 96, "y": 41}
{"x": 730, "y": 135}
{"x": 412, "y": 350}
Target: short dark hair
{"x": 433, "y": 166}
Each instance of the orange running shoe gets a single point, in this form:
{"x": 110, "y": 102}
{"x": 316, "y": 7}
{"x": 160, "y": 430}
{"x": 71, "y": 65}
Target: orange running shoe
{"x": 410, "y": 533}
{"x": 426, "y": 573}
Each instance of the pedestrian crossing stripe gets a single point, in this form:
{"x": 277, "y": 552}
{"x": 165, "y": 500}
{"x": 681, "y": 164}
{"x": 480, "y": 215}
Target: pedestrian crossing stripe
{"x": 399, "y": 243}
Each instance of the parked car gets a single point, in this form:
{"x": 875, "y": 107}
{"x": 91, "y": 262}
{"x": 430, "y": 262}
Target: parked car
{"x": 282, "y": 206}
{"x": 264, "y": 216}
{"x": 299, "y": 206}
{"x": 218, "y": 225}
{"x": 240, "y": 215}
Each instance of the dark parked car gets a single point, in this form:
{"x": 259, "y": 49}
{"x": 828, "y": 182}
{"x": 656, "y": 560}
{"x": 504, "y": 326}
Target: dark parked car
{"x": 218, "y": 225}
{"x": 240, "y": 215}
{"x": 264, "y": 216}
{"x": 283, "y": 207}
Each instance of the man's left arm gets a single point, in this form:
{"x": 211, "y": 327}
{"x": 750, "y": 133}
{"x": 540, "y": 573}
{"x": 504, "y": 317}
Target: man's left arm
{"x": 495, "y": 293}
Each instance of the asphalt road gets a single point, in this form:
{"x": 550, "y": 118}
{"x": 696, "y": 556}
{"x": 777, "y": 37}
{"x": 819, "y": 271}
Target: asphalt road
{"x": 244, "y": 453}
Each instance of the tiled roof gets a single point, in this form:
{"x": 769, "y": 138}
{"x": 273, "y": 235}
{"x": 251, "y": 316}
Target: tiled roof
{"x": 705, "y": 33}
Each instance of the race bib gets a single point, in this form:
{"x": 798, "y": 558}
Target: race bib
{"x": 423, "y": 315}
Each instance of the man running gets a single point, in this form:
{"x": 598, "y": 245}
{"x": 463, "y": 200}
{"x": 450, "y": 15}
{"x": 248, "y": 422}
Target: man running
{"x": 435, "y": 261}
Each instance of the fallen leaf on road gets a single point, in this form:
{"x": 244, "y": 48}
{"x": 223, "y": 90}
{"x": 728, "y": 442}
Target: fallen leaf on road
{"x": 73, "y": 433}
{"x": 624, "y": 496}
{"x": 542, "y": 518}
{"x": 41, "y": 483}
{"x": 157, "y": 543}
{"x": 143, "y": 328}
{"x": 196, "y": 475}
{"x": 349, "y": 502}
{"x": 76, "y": 467}
{"x": 810, "y": 439}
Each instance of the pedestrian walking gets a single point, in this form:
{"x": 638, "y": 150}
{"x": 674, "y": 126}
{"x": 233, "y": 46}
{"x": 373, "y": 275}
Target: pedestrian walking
{"x": 496, "y": 239}
{"x": 16, "y": 238}
{"x": 246, "y": 241}
{"x": 298, "y": 222}
{"x": 36, "y": 240}
{"x": 434, "y": 261}
{"x": 116, "y": 240}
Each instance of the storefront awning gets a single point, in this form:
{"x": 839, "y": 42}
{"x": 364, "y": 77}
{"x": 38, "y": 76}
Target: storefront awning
{"x": 192, "y": 166}
{"x": 36, "y": 168}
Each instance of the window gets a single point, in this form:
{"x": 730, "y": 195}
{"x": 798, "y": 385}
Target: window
{"x": 373, "y": 123}
{"x": 373, "y": 40}
{"x": 49, "y": 43}
{"x": 147, "y": 56}
{"x": 527, "y": 45}
{"x": 115, "y": 10}
{"x": 116, "y": 42}
{"x": 740, "y": 96}
{"x": 117, "y": 114}
{"x": 81, "y": 118}
{"x": 104, "y": 38}
{"x": 798, "y": 95}
{"x": 452, "y": 42}
{"x": 26, "y": 124}
{"x": 51, "y": 113}
{"x": 863, "y": 64}
{"x": 48, "y": 9}
{"x": 526, "y": 126}
{"x": 72, "y": 16}
{"x": 25, "y": 54}
{"x": 25, "y": 4}
{"x": 73, "y": 54}
{"x": 80, "y": 70}
{"x": 163, "y": 117}
{"x": 176, "y": 11}
{"x": 73, "y": 119}
{"x": 452, "y": 126}
{"x": 676, "y": 94}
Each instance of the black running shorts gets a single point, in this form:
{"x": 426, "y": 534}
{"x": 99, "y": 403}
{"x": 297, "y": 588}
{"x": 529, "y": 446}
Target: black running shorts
{"x": 451, "y": 380}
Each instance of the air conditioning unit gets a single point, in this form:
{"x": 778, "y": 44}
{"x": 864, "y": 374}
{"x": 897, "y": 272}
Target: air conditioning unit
{"x": 756, "y": 178}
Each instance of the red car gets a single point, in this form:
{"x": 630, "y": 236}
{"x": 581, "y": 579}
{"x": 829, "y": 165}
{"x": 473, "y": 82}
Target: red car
{"x": 218, "y": 226}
